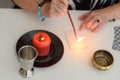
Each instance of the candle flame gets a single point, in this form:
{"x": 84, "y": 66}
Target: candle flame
{"x": 80, "y": 39}
{"x": 42, "y": 38}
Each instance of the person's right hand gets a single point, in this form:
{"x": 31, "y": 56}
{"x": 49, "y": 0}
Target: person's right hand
{"x": 55, "y": 8}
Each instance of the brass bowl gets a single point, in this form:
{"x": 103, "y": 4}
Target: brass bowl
{"x": 102, "y": 60}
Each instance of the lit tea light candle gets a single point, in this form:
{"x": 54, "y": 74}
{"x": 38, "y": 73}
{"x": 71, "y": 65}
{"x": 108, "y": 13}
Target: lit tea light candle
{"x": 42, "y": 41}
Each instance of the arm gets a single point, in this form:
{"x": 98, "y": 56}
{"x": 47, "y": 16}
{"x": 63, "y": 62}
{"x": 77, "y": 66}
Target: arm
{"x": 29, "y": 5}
{"x": 116, "y": 9}
{"x": 55, "y": 8}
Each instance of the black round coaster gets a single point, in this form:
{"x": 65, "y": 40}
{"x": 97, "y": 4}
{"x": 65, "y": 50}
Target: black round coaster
{"x": 56, "y": 48}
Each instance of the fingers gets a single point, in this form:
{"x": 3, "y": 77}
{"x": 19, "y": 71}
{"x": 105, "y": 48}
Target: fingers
{"x": 84, "y": 16}
{"x": 82, "y": 26}
{"x": 90, "y": 24}
{"x": 95, "y": 29}
{"x": 88, "y": 21}
{"x": 93, "y": 21}
{"x": 59, "y": 7}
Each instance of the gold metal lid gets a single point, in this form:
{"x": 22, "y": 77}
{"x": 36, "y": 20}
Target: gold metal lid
{"x": 102, "y": 60}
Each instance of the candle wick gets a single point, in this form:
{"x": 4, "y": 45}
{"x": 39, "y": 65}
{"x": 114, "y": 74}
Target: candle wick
{"x": 41, "y": 38}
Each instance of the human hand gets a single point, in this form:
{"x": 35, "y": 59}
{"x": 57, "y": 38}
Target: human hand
{"x": 95, "y": 19}
{"x": 55, "y": 8}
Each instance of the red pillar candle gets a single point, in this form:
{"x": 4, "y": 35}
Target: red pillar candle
{"x": 41, "y": 42}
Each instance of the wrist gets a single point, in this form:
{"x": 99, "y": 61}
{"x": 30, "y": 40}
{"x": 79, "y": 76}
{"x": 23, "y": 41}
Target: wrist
{"x": 113, "y": 13}
{"x": 40, "y": 13}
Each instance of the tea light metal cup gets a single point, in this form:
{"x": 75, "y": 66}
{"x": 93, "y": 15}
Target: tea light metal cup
{"x": 27, "y": 54}
{"x": 102, "y": 60}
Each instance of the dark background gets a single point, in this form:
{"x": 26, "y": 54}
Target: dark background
{"x": 6, "y": 4}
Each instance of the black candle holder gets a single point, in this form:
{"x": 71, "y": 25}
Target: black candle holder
{"x": 55, "y": 53}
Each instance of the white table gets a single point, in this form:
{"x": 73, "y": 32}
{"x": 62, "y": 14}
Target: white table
{"x": 74, "y": 65}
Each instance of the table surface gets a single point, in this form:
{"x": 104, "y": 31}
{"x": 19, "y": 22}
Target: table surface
{"x": 74, "y": 65}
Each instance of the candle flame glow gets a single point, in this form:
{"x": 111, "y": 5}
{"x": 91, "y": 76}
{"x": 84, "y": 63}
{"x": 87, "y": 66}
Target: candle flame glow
{"x": 42, "y": 38}
{"x": 80, "y": 39}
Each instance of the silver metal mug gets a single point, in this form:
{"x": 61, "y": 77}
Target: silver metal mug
{"x": 27, "y": 55}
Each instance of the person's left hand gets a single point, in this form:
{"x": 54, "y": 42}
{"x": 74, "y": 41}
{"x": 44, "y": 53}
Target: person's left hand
{"x": 95, "y": 19}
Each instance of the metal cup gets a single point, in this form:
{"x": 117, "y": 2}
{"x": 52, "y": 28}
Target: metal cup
{"x": 102, "y": 60}
{"x": 27, "y": 54}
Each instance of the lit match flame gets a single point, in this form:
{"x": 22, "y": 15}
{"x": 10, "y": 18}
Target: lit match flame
{"x": 80, "y": 39}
